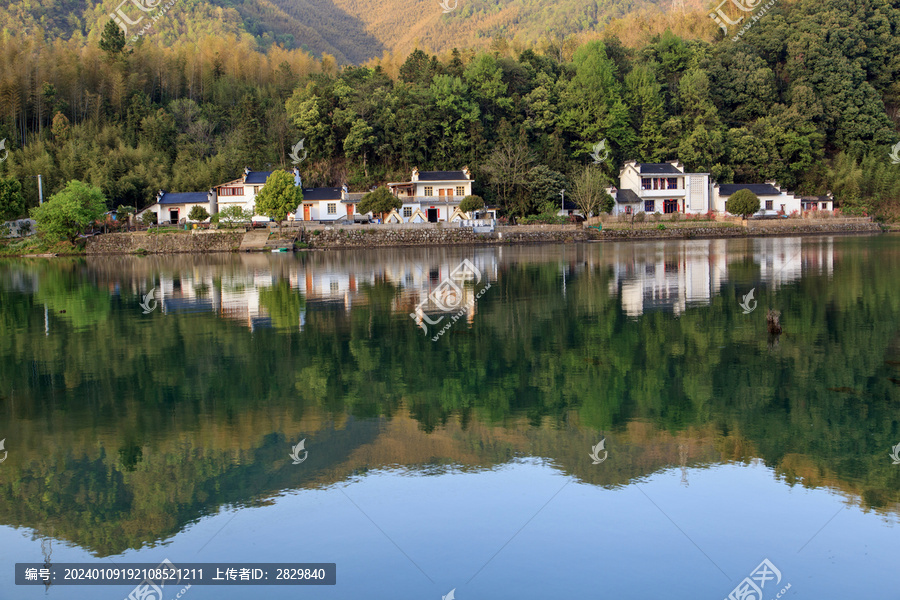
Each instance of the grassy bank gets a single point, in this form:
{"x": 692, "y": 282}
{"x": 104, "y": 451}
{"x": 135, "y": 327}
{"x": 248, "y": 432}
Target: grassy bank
{"x": 35, "y": 245}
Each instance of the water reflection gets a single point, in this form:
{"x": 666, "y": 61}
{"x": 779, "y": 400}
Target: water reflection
{"x": 126, "y": 430}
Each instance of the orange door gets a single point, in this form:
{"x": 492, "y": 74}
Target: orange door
{"x": 349, "y": 210}
{"x": 306, "y": 212}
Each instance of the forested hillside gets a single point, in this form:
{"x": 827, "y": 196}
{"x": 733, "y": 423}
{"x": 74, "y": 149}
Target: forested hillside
{"x": 808, "y": 97}
{"x": 352, "y": 31}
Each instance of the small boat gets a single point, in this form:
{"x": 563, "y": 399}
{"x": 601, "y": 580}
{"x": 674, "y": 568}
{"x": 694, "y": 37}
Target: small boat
{"x": 279, "y": 250}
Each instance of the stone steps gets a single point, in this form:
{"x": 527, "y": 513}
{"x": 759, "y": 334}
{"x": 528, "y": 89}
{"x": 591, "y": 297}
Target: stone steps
{"x": 254, "y": 240}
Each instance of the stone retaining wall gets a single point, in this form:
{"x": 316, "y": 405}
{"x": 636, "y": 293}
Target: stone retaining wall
{"x": 375, "y": 238}
{"x": 165, "y": 243}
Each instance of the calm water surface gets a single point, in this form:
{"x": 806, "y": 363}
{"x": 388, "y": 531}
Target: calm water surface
{"x": 464, "y": 462}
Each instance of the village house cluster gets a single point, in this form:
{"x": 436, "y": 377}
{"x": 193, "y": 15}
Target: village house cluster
{"x": 435, "y": 196}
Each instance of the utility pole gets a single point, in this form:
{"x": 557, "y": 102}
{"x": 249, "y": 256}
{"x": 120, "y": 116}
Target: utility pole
{"x": 40, "y": 191}
{"x": 563, "y": 205}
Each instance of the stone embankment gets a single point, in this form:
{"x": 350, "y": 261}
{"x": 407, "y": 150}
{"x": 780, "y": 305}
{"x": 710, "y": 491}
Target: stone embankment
{"x": 165, "y": 243}
{"x": 373, "y": 236}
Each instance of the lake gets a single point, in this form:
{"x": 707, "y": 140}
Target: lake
{"x": 602, "y": 420}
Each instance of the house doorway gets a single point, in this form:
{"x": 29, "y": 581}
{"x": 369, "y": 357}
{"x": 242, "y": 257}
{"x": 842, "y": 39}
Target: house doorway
{"x": 173, "y": 215}
{"x": 670, "y": 206}
{"x": 306, "y": 212}
{"x": 432, "y": 214}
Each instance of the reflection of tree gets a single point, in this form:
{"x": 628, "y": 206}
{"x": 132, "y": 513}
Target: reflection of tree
{"x": 66, "y": 293}
{"x": 283, "y": 304}
{"x": 553, "y": 369}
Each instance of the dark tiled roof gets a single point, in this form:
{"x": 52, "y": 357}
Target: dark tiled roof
{"x": 816, "y": 198}
{"x": 569, "y": 205}
{"x": 442, "y": 176}
{"x": 658, "y": 169}
{"x": 627, "y": 197}
{"x": 760, "y": 189}
{"x": 321, "y": 193}
{"x": 257, "y": 176}
{"x": 184, "y": 198}
{"x": 354, "y": 197}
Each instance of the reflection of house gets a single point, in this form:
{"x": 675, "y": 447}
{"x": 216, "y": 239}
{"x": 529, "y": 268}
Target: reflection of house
{"x": 174, "y": 207}
{"x": 772, "y": 199}
{"x": 434, "y": 194}
{"x": 661, "y": 187}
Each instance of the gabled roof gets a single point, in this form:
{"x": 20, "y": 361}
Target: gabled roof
{"x": 184, "y": 198}
{"x": 658, "y": 169}
{"x": 760, "y": 189}
{"x": 442, "y": 176}
{"x": 625, "y": 196}
{"x": 321, "y": 193}
{"x": 816, "y": 198}
{"x": 257, "y": 177}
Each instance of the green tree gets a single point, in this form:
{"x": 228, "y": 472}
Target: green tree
{"x": 112, "y": 40}
{"x": 232, "y": 215}
{"x": 279, "y": 197}
{"x": 470, "y": 203}
{"x": 70, "y": 211}
{"x": 379, "y": 202}
{"x": 12, "y": 204}
{"x": 743, "y": 203}
{"x": 589, "y": 191}
{"x": 198, "y": 213}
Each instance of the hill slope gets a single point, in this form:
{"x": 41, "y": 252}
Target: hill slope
{"x": 350, "y": 30}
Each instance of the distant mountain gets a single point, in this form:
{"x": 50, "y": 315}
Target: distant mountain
{"x": 353, "y": 31}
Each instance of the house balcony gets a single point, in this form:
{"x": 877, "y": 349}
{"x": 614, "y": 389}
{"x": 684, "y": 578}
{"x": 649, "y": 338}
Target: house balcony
{"x": 653, "y": 194}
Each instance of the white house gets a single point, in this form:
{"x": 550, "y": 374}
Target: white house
{"x": 329, "y": 204}
{"x": 432, "y": 195}
{"x": 174, "y": 207}
{"x": 817, "y": 202}
{"x": 661, "y": 187}
{"x": 242, "y": 192}
{"x": 772, "y": 199}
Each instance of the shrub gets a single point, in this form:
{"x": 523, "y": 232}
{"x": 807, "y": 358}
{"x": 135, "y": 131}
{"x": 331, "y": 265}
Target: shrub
{"x": 198, "y": 213}
{"x": 676, "y": 216}
{"x": 640, "y": 217}
{"x": 661, "y": 227}
{"x": 470, "y": 203}
{"x": 743, "y": 203}
{"x": 148, "y": 218}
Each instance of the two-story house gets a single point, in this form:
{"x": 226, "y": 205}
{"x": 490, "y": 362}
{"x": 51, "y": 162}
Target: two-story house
{"x": 436, "y": 194}
{"x": 661, "y": 187}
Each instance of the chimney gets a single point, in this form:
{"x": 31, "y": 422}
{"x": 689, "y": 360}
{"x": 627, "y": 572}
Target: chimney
{"x": 159, "y": 195}
{"x": 298, "y": 181}
{"x": 415, "y": 174}
{"x": 465, "y": 171}
{"x": 213, "y": 199}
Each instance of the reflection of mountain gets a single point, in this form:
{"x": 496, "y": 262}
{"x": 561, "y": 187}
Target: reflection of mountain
{"x": 122, "y": 427}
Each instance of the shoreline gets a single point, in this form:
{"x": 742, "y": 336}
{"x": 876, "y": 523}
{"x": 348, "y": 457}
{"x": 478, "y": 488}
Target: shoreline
{"x": 118, "y": 244}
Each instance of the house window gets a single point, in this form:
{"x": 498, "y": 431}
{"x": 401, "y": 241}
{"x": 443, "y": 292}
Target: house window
{"x": 231, "y": 191}
{"x": 673, "y": 183}
{"x": 255, "y": 189}
{"x": 824, "y": 206}
{"x": 460, "y": 190}
{"x": 649, "y": 206}
{"x": 332, "y": 209}
{"x": 645, "y": 183}
{"x": 407, "y": 211}
{"x": 670, "y": 206}
{"x": 627, "y": 210}
{"x": 429, "y": 191}
{"x": 768, "y": 204}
